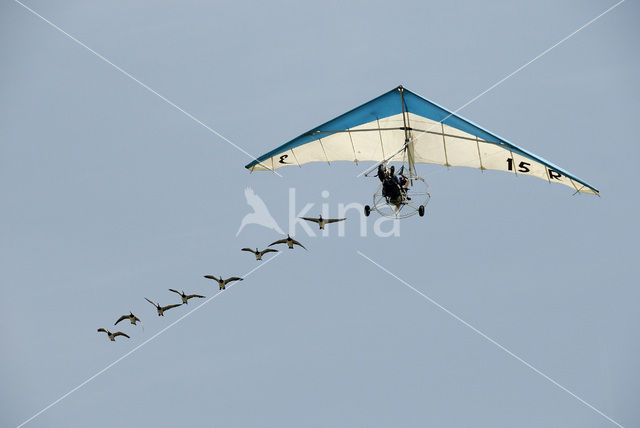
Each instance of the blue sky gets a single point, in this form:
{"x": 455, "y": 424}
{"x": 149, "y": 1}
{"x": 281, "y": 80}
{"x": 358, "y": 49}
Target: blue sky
{"x": 111, "y": 195}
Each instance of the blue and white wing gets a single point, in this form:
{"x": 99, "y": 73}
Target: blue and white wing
{"x": 377, "y": 130}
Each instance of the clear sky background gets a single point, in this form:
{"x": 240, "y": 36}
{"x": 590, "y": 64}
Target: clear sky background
{"x": 110, "y": 195}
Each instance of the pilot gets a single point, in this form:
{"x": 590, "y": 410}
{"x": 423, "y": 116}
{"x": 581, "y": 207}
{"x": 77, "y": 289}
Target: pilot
{"x": 382, "y": 172}
{"x": 398, "y": 179}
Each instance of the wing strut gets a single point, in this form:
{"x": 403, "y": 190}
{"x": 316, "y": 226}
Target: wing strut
{"x": 408, "y": 143}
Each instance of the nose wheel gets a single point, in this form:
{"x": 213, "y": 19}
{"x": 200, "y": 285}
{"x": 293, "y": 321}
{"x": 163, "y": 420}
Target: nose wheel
{"x": 367, "y": 210}
{"x": 421, "y": 210}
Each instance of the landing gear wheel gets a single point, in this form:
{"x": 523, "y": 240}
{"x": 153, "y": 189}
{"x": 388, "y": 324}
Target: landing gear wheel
{"x": 421, "y": 210}
{"x": 367, "y": 210}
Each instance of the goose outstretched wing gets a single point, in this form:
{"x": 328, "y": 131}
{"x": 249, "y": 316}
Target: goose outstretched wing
{"x": 280, "y": 241}
{"x": 268, "y": 250}
{"x": 175, "y": 291}
{"x": 119, "y": 333}
{"x": 124, "y": 317}
{"x": 297, "y": 243}
{"x": 166, "y": 308}
{"x": 153, "y": 303}
{"x": 103, "y": 330}
{"x": 249, "y": 250}
{"x": 334, "y": 220}
{"x": 233, "y": 278}
{"x": 191, "y": 296}
{"x": 315, "y": 220}
{"x": 211, "y": 277}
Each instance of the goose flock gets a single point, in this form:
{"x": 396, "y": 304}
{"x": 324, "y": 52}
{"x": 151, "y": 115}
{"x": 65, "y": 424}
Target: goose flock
{"x": 222, "y": 283}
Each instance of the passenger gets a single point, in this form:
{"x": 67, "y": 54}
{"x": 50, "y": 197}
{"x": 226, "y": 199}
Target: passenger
{"x": 403, "y": 182}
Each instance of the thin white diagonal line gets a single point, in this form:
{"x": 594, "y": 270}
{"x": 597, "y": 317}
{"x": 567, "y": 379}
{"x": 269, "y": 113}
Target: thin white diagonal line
{"x": 513, "y": 73}
{"x": 466, "y": 324}
{"x": 145, "y": 86}
{"x": 528, "y": 63}
{"x": 141, "y": 345}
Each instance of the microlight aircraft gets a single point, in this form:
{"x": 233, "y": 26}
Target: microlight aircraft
{"x": 402, "y": 127}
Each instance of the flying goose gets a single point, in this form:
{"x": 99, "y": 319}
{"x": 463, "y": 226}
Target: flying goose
{"x": 259, "y": 254}
{"x": 322, "y": 221}
{"x": 134, "y": 319}
{"x": 161, "y": 309}
{"x": 223, "y": 282}
{"x": 186, "y": 297}
{"x": 289, "y": 241}
{"x": 113, "y": 336}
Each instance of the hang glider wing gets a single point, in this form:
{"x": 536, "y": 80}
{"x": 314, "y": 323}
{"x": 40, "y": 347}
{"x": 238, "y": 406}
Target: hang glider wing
{"x": 377, "y": 131}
